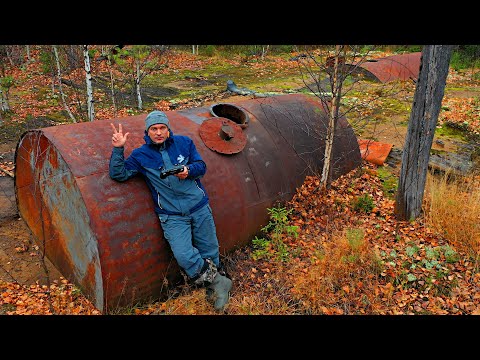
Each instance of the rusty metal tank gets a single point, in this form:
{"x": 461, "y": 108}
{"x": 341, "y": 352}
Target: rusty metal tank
{"x": 396, "y": 67}
{"x": 105, "y": 237}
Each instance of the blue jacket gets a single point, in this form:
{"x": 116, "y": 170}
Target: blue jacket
{"x": 171, "y": 195}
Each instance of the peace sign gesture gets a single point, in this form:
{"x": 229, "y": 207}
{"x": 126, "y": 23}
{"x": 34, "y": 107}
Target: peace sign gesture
{"x": 118, "y": 138}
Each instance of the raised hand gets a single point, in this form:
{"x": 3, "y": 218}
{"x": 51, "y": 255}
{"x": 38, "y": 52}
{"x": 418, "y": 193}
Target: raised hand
{"x": 118, "y": 138}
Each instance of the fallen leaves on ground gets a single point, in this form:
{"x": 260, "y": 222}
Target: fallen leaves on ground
{"x": 418, "y": 271}
{"x": 60, "y": 298}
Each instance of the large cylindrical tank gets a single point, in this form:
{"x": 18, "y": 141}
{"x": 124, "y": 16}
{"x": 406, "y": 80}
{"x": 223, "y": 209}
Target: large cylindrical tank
{"x": 105, "y": 237}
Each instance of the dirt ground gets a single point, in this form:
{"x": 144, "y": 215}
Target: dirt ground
{"x": 20, "y": 260}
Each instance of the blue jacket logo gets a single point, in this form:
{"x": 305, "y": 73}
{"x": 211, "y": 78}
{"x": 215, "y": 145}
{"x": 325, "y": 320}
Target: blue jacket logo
{"x": 180, "y": 158}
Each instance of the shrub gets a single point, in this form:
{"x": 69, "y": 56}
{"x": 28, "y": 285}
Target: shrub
{"x": 363, "y": 203}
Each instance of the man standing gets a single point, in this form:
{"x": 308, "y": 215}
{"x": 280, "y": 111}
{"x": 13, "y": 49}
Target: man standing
{"x": 180, "y": 200}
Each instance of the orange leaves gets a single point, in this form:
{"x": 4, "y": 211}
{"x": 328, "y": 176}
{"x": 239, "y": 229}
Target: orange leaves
{"x": 6, "y": 168}
{"x": 464, "y": 112}
{"x": 21, "y": 248}
{"x": 39, "y": 299}
{"x": 476, "y": 311}
{"x": 331, "y": 311}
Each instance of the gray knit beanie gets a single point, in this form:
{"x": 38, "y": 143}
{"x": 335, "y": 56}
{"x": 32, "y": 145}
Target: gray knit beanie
{"x": 156, "y": 117}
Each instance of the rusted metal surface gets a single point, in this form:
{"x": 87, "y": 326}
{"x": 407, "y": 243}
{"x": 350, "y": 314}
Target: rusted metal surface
{"x": 231, "y": 111}
{"x": 222, "y": 135}
{"x": 104, "y": 235}
{"x": 390, "y": 68}
{"x": 396, "y": 67}
{"x": 374, "y": 151}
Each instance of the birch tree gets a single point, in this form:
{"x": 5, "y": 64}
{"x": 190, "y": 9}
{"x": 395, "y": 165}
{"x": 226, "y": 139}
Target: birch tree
{"x": 88, "y": 79}
{"x": 144, "y": 60}
{"x": 6, "y": 81}
{"x": 27, "y": 48}
{"x": 336, "y": 81}
{"x": 427, "y": 101}
{"x": 138, "y": 79}
{"x": 111, "y": 56}
{"x": 110, "y": 62}
{"x": 264, "y": 51}
{"x": 60, "y": 88}
{"x": 4, "y": 104}
{"x": 325, "y": 74}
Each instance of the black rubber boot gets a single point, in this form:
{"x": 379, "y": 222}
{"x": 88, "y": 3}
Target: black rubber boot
{"x": 218, "y": 291}
{"x": 223, "y": 271}
{"x": 217, "y": 285}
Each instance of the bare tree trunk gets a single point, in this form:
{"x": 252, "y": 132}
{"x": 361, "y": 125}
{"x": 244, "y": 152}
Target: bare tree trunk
{"x": 112, "y": 86}
{"x": 104, "y": 51}
{"x": 9, "y": 56}
{"x": 137, "y": 85}
{"x": 54, "y": 77}
{"x": 421, "y": 130}
{"x": 73, "y": 56}
{"x": 88, "y": 79}
{"x": 336, "y": 84}
{"x": 4, "y": 106}
{"x": 264, "y": 51}
{"x": 4, "y": 90}
{"x": 59, "y": 78}
{"x": 27, "y": 47}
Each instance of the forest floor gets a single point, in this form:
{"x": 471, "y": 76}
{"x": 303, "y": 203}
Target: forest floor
{"x": 30, "y": 284}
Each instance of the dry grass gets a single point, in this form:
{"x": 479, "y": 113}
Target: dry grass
{"x": 343, "y": 272}
{"x": 452, "y": 207}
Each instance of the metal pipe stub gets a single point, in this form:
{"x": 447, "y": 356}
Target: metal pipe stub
{"x": 232, "y": 112}
{"x": 222, "y": 135}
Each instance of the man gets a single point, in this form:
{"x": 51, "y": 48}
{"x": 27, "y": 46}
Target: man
{"x": 180, "y": 200}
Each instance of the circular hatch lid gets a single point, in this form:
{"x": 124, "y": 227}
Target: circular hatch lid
{"x": 222, "y": 135}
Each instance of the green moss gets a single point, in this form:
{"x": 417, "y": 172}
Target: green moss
{"x": 438, "y": 152}
{"x": 58, "y": 116}
{"x": 447, "y": 130}
{"x": 389, "y": 181}
{"x": 453, "y": 88}
{"x": 217, "y": 72}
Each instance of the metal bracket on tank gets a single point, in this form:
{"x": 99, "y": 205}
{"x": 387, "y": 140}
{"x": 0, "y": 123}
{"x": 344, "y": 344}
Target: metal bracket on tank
{"x": 223, "y": 132}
